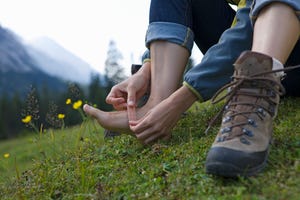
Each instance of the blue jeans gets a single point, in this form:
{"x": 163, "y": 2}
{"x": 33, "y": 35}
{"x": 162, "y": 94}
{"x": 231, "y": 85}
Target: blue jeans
{"x": 208, "y": 24}
{"x": 185, "y": 21}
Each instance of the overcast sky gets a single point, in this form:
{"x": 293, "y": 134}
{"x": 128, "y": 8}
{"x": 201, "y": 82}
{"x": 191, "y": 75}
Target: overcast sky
{"x": 84, "y": 27}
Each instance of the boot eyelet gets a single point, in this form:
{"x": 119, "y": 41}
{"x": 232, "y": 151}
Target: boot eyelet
{"x": 252, "y": 122}
{"x": 244, "y": 141}
{"x": 247, "y": 132}
{"x": 226, "y": 119}
{"x": 261, "y": 111}
{"x": 225, "y": 130}
{"x": 271, "y": 93}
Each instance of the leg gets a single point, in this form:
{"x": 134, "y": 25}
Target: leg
{"x": 168, "y": 61}
{"x": 276, "y": 31}
{"x": 287, "y": 36}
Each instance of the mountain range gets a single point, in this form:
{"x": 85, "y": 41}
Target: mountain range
{"x": 40, "y": 63}
{"x": 55, "y": 60}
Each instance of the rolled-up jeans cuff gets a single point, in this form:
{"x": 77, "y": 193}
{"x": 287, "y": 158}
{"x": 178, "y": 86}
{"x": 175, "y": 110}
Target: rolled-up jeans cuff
{"x": 259, "y": 4}
{"x": 171, "y": 32}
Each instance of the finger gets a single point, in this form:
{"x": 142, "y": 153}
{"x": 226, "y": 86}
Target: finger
{"x": 131, "y": 112}
{"x": 138, "y": 126}
{"x": 146, "y": 133}
{"x": 119, "y": 107}
{"x": 115, "y": 100}
{"x": 133, "y": 122}
{"x": 131, "y": 96}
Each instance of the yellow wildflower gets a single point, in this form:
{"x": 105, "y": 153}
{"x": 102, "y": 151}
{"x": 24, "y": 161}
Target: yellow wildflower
{"x": 27, "y": 119}
{"x": 6, "y": 155}
{"x": 61, "y": 116}
{"x": 77, "y": 104}
{"x": 68, "y": 101}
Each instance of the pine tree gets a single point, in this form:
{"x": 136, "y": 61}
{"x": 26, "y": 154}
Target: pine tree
{"x": 114, "y": 72}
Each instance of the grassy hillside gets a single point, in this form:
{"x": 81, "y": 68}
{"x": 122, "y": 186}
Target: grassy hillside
{"x": 77, "y": 163}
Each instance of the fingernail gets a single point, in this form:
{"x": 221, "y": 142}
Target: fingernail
{"x": 130, "y": 103}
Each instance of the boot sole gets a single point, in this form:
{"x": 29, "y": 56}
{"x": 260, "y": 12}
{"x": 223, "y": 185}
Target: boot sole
{"x": 230, "y": 171}
{"x": 230, "y": 163}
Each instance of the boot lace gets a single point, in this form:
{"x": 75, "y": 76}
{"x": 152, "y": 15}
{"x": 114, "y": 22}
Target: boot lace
{"x": 235, "y": 88}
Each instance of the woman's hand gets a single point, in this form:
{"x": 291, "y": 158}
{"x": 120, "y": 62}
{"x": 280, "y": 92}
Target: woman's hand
{"x": 130, "y": 90}
{"x": 159, "y": 121}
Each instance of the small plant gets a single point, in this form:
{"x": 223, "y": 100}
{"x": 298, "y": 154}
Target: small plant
{"x": 31, "y": 112}
{"x": 54, "y": 118}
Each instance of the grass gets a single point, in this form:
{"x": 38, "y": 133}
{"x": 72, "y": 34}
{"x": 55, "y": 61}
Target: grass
{"x": 79, "y": 164}
{"x": 26, "y": 151}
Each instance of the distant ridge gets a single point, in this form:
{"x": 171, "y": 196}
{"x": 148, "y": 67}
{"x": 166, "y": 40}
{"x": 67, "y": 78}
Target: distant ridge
{"x": 18, "y": 70}
{"x": 42, "y": 62}
{"x": 55, "y": 60}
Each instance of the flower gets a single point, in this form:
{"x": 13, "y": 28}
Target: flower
{"x": 61, "y": 116}
{"x": 27, "y": 119}
{"x": 68, "y": 101}
{"x": 77, "y": 104}
{"x": 6, "y": 155}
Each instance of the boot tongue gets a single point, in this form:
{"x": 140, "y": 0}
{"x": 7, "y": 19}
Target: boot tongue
{"x": 246, "y": 105}
{"x": 245, "y": 66}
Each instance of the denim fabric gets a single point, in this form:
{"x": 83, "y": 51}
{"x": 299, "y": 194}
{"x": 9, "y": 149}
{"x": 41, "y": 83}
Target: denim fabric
{"x": 185, "y": 21}
{"x": 172, "y": 32}
{"x": 259, "y": 4}
{"x": 216, "y": 67}
{"x": 171, "y": 20}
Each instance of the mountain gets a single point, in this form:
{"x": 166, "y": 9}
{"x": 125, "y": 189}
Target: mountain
{"x": 55, "y": 60}
{"x": 19, "y": 70}
{"x": 13, "y": 55}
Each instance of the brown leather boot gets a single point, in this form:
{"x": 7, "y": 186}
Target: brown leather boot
{"x": 242, "y": 144}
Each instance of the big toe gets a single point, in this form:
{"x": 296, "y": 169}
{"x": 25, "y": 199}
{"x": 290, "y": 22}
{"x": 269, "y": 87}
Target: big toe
{"x": 90, "y": 110}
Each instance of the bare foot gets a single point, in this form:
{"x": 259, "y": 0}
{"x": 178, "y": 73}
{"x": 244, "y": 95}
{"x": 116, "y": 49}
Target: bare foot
{"x": 118, "y": 120}
{"x": 114, "y": 121}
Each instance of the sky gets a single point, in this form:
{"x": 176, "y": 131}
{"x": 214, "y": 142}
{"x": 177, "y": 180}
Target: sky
{"x": 84, "y": 27}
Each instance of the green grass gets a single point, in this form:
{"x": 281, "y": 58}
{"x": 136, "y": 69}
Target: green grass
{"x": 26, "y": 151}
{"x": 78, "y": 164}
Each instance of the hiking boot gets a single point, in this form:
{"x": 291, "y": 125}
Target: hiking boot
{"x": 242, "y": 143}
